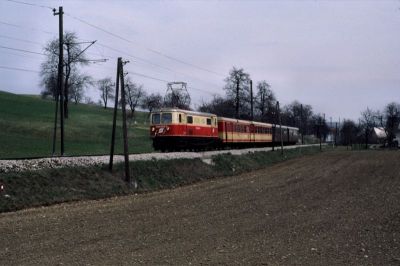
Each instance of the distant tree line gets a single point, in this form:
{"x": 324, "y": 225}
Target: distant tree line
{"x": 237, "y": 103}
{"x": 387, "y": 120}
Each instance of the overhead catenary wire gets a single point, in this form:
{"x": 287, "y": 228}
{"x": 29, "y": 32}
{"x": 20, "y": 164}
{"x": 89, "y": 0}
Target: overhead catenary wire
{"x": 19, "y": 69}
{"x": 21, "y": 50}
{"x": 26, "y": 28}
{"x": 18, "y": 39}
{"x": 30, "y": 4}
{"x": 115, "y": 50}
{"x": 148, "y": 49}
{"x": 166, "y": 81}
{"x": 105, "y": 46}
{"x": 150, "y": 63}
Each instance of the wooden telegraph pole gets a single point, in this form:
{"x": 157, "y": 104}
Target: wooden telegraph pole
{"x": 124, "y": 127}
{"x": 60, "y": 80}
{"x": 110, "y": 166}
{"x": 120, "y": 80}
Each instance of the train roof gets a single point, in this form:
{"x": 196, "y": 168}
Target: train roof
{"x": 252, "y": 122}
{"x": 219, "y": 117}
{"x": 183, "y": 111}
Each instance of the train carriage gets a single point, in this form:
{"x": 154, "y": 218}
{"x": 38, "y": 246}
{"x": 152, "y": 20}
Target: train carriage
{"x": 176, "y": 129}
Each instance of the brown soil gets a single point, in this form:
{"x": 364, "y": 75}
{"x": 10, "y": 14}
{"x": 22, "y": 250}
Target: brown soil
{"x": 337, "y": 208}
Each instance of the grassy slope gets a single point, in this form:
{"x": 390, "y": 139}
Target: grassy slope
{"x": 26, "y": 129}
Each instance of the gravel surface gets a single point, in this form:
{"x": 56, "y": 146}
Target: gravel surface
{"x": 57, "y": 162}
{"x": 336, "y": 208}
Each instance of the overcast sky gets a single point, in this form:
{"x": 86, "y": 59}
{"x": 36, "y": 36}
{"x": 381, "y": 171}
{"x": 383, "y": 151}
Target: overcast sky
{"x": 338, "y": 56}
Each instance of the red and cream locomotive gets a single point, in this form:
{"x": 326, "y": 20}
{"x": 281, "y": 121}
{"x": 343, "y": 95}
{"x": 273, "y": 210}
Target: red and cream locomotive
{"x": 176, "y": 129}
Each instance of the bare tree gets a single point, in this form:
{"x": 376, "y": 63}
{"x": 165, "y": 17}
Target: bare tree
{"x": 368, "y": 122}
{"x": 237, "y": 88}
{"x": 74, "y": 57}
{"x": 219, "y": 106}
{"x": 152, "y": 101}
{"x": 349, "y": 132}
{"x": 265, "y": 101}
{"x": 105, "y": 86}
{"x": 298, "y": 115}
{"x": 134, "y": 94}
{"x": 78, "y": 84}
{"x": 392, "y": 117}
{"x": 89, "y": 101}
{"x": 49, "y": 83}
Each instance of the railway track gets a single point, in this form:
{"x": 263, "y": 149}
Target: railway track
{"x": 29, "y": 164}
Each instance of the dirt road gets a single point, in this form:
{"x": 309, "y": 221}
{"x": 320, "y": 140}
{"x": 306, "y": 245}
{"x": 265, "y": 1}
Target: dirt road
{"x": 338, "y": 208}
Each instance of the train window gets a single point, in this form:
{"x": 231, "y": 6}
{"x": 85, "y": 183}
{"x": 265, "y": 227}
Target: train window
{"x": 180, "y": 118}
{"x": 166, "y": 118}
{"x": 190, "y": 119}
{"x": 155, "y": 119}
{"x": 208, "y": 121}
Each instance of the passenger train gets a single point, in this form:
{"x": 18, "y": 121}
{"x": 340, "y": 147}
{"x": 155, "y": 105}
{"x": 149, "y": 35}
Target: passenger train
{"x": 176, "y": 129}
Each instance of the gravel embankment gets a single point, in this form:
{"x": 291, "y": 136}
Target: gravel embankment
{"x": 58, "y": 162}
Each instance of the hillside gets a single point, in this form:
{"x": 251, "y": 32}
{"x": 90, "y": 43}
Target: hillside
{"x": 336, "y": 208}
{"x": 26, "y": 129}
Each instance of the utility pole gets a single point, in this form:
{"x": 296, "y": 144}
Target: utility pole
{"x": 60, "y": 14}
{"x": 275, "y": 119}
{"x": 120, "y": 80}
{"x": 124, "y": 127}
{"x": 280, "y": 126}
{"x": 110, "y": 166}
{"x": 237, "y": 99}
{"x": 251, "y": 100}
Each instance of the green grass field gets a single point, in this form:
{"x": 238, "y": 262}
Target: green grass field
{"x": 26, "y": 129}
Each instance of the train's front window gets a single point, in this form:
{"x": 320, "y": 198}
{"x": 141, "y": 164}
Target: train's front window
{"x": 155, "y": 119}
{"x": 166, "y": 118}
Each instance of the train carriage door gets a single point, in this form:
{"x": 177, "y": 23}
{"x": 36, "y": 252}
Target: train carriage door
{"x": 182, "y": 124}
{"x": 226, "y": 131}
{"x": 252, "y": 133}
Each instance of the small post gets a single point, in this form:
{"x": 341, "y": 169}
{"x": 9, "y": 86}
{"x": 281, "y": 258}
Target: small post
{"x": 251, "y": 100}
{"x": 319, "y": 133}
{"x": 237, "y": 99}
{"x": 110, "y": 166}
{"x": 275, "y": 119}
{"x": 301, "y": 124}
{"x": 280, "y": 127}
